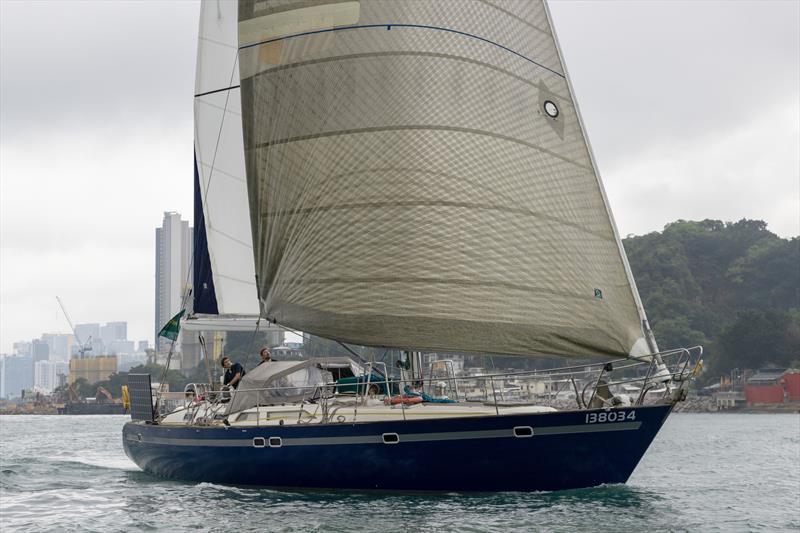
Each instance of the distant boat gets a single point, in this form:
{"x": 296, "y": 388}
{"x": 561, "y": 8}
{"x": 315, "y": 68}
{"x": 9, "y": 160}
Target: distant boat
{"x": 412, "y": 175}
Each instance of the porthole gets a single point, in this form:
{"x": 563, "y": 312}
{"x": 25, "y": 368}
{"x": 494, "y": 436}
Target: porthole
{"x": 391, "y": 438}
{"x": 259, "y": 442}
{"x": 550, "y": 108}
{"x": 523, "y": 432}
{"x": 275, "y": 442}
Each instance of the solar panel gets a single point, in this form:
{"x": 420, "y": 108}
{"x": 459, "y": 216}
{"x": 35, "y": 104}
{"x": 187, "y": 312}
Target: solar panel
{"x": 141, "y": 397}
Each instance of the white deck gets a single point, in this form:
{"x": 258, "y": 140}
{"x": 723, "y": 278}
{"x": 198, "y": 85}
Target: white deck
{"x": 338, "y": 412}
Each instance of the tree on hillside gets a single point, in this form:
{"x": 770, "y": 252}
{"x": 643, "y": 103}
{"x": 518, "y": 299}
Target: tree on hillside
{"x": 760, "y": 339}
{"x": 696, "y": 278}
{"x": 114, "y": 383}
{"x": 768, "y": 275}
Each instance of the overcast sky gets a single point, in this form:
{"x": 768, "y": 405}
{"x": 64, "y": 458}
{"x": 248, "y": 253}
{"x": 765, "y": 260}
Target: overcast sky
{"x": 692, "y": 109}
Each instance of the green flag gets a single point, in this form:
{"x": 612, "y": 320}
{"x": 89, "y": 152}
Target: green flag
{"x": 171, "y": 329}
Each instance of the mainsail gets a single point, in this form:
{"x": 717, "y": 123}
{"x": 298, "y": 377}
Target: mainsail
{"x": 419, "y": 178}
{"x": 224, "y": 272}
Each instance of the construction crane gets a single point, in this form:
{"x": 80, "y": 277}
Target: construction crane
{"x": 101, "y": 393}
{"x": 82, "y": 347}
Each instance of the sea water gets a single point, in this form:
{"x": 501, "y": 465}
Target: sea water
{"x": 704, "y": 472}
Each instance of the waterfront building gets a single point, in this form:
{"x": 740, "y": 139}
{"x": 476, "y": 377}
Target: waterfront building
{"x": 92, "y": 369}
{"x": 46, "y": 375}
{"x": 173, "y": 253}
{"x": 16, "y": 375}
{"x": 771, "y": 386}
{"x": 142, "y": 346}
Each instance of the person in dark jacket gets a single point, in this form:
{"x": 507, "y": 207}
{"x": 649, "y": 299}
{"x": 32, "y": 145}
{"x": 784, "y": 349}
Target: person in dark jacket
{"x": 234, "y": 372}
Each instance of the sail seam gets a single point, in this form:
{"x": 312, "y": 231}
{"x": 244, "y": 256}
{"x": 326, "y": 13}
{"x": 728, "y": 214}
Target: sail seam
{"x": 378, "y": 129}
{"x": 514, "y": 16}
{"x": 437, "y": 281}
{"x": 462, "y": 59}
{"x": 390, "y": 25}
{"x": 435, "y": 203}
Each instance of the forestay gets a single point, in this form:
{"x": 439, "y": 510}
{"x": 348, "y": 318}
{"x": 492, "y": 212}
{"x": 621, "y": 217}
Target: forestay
{"x": 419, "y": 178}
{"x": 224, "y": 269}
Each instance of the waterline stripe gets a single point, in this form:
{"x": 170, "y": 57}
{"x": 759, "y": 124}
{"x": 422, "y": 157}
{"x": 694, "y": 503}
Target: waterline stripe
{"x": 411, "y": 437}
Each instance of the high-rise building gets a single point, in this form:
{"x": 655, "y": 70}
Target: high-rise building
{"x": 142, "y": 346}
{"x": 22, "y": 348}
{"x": 45, "y": 375}
{"x": 120, "y": 347}
{"x": 114, "y": 331}
{"x": 173, "y": 282}
{"x": 59, "y": 345}
{"x": 40, "y": 351}
{"x": 16, "y": 375}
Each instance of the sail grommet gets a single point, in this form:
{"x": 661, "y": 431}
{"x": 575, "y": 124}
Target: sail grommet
{"x": 550, "y": 108}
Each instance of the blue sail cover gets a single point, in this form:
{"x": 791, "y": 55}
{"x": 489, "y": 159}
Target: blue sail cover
{"x": 205, "y": 298}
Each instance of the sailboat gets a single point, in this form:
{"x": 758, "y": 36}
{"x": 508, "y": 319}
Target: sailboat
{"x": 412, "y": 175}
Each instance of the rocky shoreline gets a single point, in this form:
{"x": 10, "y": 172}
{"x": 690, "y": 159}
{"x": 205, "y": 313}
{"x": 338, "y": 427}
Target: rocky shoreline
{"x": 707, "y": 404}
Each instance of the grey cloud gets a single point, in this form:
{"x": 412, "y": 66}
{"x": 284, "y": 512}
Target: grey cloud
{"x": 84, "y": 64}
{"x": 646, "y": 72}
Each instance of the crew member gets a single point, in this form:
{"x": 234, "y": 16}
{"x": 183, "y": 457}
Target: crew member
{"x": 234, "y": 372}
{"x": 266, "y": 356}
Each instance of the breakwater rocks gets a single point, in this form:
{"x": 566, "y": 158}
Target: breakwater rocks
{"x": 698, "y": 404}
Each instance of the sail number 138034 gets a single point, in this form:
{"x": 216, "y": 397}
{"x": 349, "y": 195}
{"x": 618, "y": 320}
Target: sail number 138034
{"x": 610, "y": 416}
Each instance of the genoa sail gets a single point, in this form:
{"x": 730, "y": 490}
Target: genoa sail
{"x": 224, "y": 272}
{"x": 419, "y": 178}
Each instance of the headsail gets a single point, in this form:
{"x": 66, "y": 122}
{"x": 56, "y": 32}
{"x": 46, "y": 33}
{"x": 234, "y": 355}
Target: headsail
{"x": 223, "y": 262}
{"x": 419, "y": 178}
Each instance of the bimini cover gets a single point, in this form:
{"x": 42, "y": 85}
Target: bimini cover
{"x": 279, "y": 382}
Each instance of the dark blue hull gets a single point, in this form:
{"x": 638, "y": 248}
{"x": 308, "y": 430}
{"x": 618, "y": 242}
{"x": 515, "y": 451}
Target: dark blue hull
{"x": 566, "y": 450}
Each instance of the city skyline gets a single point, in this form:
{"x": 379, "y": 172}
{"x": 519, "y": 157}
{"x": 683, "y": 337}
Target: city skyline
{"x": 703, "y": 128}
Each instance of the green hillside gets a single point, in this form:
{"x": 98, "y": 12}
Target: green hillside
{"x": 732, "y": 287}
